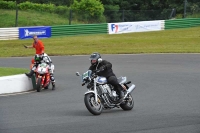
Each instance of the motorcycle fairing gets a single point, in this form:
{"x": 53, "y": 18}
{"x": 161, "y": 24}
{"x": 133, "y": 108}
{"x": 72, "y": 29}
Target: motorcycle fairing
{"x": 86, "y": 75}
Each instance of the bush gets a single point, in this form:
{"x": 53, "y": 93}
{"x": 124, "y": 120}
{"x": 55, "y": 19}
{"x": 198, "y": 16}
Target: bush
{"x": 51, "y": 8}
{"x": 61, "y": 10}
{"x": 89, "y": 10}
{"x": 86, "y": 11}
{"x": 37, "y": 7}
{"x": 7, "y": 5}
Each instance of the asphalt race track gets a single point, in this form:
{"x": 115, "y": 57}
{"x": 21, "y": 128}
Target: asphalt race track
{"x": 167, "y": 97}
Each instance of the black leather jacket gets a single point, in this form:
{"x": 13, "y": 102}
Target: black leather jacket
{"x": 107, "y": 71}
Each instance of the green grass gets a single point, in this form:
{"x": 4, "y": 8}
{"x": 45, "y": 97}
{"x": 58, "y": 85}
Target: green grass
{"x": 185, "y": 40}
{"x": 7, "y": 71}
{"x": 31, "y": 18}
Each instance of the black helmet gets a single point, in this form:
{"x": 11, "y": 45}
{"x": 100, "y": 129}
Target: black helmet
{"x": 94, "y": 58}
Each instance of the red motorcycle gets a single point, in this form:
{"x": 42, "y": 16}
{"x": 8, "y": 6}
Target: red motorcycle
{"x": 42, "y": 76}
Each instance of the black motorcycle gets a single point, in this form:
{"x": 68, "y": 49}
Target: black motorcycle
{"x": 101, "y": 95}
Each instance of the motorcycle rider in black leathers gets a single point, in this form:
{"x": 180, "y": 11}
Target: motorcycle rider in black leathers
{"x": 105, "y": 68}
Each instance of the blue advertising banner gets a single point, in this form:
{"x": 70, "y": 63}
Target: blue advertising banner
{"x": 28, "y": 32}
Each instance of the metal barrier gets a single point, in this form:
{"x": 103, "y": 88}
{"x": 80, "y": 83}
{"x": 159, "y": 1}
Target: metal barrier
{"x": 182, "y": 23}
{"x": 9, "y": 33}
{"x": 67, "y": 30}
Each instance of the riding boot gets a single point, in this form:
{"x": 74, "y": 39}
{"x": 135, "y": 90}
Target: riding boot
{"x": 121, "y": 95}
{"x": 53, "y": 85}
{"x": 52, "y": 81}
{"x": 120, "y": 91}
{"x": 30, "y": 74}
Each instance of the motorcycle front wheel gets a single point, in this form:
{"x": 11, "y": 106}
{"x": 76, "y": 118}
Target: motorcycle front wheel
{"x": 128, "y": 103}
{"x": 93, "y": 107}
{"x": 38, "y": 84}
{"x": 47, "y": 87}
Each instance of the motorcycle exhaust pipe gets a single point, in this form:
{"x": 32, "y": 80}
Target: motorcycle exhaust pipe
{"x": 131, "y": 88}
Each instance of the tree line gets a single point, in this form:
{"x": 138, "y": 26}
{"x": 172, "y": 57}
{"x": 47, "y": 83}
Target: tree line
{"x": 126, "y": 10}
{"x": 129, "y": 4}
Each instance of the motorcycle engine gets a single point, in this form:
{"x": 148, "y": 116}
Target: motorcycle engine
{"x": 109, "y": 90}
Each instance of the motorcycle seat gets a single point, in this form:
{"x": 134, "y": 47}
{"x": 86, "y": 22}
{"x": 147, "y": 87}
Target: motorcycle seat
{"x": 121, "y": 80}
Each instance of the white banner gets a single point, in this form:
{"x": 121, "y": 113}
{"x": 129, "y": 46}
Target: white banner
{"x": 128, "y": 27}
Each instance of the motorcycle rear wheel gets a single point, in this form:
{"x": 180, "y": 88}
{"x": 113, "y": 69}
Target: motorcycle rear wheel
{"x": 91, "y": 105}
{"x": 38, "y": 85}
{"x": 128, "y": 104}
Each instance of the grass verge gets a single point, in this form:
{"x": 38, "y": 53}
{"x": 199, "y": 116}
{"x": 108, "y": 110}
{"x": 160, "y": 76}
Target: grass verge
{"x": 31, "y": 18}
{"x": 167, "y": 41}
{"x": 7, "y": 71}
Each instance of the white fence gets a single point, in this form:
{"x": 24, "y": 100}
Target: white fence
{"x": 9, "y": 33}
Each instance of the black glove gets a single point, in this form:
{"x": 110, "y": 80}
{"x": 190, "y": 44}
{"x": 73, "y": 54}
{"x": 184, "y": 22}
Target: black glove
{"x": 25, "y": 46}
{"x": 102, "y": 68}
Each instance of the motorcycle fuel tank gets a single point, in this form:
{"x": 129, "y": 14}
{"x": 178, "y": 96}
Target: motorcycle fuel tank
{"x": 101, "y": 80}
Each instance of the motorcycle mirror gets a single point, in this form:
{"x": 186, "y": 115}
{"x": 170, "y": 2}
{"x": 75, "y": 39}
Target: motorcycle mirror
{"x": 77, "y": 74}
{"x": 99, "y": 60}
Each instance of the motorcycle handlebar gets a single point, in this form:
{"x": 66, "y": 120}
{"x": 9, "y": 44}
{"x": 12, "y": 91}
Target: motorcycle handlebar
{"x": 97, "y": 71}
{"x": 94, "y": 75}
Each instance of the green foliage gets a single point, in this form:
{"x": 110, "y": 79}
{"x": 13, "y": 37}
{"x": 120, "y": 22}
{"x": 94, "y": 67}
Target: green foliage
{"x": 112, "y": 13}
{"x": 37, "y": 7}
{"x": 55, "y": 2}
{"x": 194, "y": 8}
{"x": 51, "y": 8}
{"x": 179, "y": 16}
{"x": 62, "y": 10}
{"x": 101, "y": 11}
{"x": 194, "y": 15}
{"x": 88, "y": 9}
{"x": 31, "y": 18}
{"x": 7, "y": 5}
